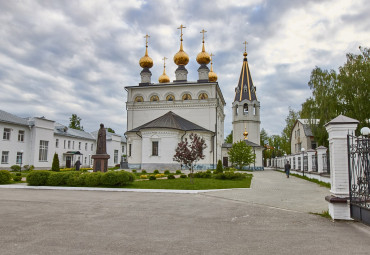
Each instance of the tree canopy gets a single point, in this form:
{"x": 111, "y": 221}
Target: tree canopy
{"x": 75, "y": 122}
{"x": 229, "y": 138}
{"x": 241, "y": 154}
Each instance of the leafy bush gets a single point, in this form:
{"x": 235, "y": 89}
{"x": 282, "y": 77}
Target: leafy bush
{"x": 143, "y": 176}
{"x": 230, "y": 176}
{"x": 93, "y": 179}
{"x": 38, "y": 178}
{"x": 167, "y": 172}
{"x": 134, "y": 170}
{"x": 183, "y": 176}
{"x": 159, "y": 175}
{"x": 171, "y": 176}
{"x": 207, "y": 174}
{"x": 17, "y": 178}
{"x": 18, "y": 174}
{"x": 190, "y": 175}
{"x": 32, "y": 167}
{"x": 178, "y": 171}
{"x": 57, "y": 179}
{"x": 219, "y": 168}
{"x": 5, "y": 177}
{"x": 15, "y": 168}
{"x": 143, "y": 171}
{"x": 152, "y": 177}
{"x": 156, "y": 171}
{"x": 119, "y": 178}
{"x": 26, "y": 167}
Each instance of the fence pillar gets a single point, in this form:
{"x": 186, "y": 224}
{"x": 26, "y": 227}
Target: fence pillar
{"x": 338, "y": 129}
{"x": 310, "y": 154}
{"x": 321, "y": 150}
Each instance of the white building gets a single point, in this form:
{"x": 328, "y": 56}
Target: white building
{"x": 33, "y": 141}
{"x": 160, "y": 115}
{"x": 302, "y": 136}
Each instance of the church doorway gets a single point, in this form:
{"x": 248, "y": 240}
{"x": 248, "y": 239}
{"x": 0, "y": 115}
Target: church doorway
{"x": 225, "y": 161}
{"x": 68, "y": 162}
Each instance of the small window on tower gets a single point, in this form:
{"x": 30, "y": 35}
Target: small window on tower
{"x": 154, "y": 98}
{"x": 254, "y": 109}
{"x": 245, "y": 109}
{"x": 139, "y": 99}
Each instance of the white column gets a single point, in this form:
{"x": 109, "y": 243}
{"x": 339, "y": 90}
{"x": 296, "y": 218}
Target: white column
{"x": 338, "y": 129}
{"x": 310, "y": 154}
{"x": 321, "y": 150}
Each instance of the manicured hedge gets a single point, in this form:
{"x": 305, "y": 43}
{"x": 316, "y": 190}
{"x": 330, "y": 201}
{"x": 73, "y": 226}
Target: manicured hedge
{"x": 78, "y": 179}
{"x": 5, "y": 177}
{"x": 230, "y": 176}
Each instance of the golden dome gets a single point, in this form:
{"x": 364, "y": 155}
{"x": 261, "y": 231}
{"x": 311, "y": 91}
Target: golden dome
{"x": 212, "y": 76}
{"x": 203, "y": 57}
{"x": 164, "y": 77}
{"x": 245, "y": 133}
{"x": 181, "y": 58}
{"x": 146, "y": 61}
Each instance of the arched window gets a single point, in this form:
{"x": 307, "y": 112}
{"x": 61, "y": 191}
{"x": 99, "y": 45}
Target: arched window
{"x": 154, "y": 98}
{"x": 245, "y": 108}
{"x": 236, "y": 109}
{"x": 203, "y": 96}
{"x": 139, "y": 99}
{"x": 254, "y": 109}
{"x": 170, "y": 98}
{"x": 186, "y": 97}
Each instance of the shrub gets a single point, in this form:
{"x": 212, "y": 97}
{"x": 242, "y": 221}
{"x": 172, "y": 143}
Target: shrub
{"x": 219, "y": 168}
{"x": 134, "y": 170}
{"x": 190, "y": 175}
{"x": 159, "y": 175}
{"x": 143, "y": 176}
{"x": 171, "y": 176}
{"x": 72, "y": 179}
{"x": 143, "y": 171}
{"x": 230, "y": 176}
{"x": 15, "y": 168}
{"x": 56, "y": 179}
{"x": 38, "y": 178}
{"x": 31, "y": 167}
{"x": 5, "y": 177}
{"x": 207, "y": 174}
{"x": 55, "y": 165}
{"x": 156, "y": 171}
{"x": 119, "y": 178}
{"x": 178, "y": 171}
{"x": 118, "y": 165}
{"x": 183, "y": 176}
{"x": 26, "y": 167}
{"x": 93, "y": 179}
{"x": 167, "y": 172}
{"x": 18, "y": 174}
{"x": 17, "y": 178}
{"x": 152, "y": 177}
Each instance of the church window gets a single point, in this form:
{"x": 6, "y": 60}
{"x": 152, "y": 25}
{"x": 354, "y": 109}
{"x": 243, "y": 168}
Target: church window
{"x": 139, "y": 99}
{"x": 154, "y": 98}
{"x": 236, "y": 110}
{"x": 203, "y": 96}
{"x": 245, "y": 109}
{"x": 170, "y": 98}
{"x": 155, "y": 148}
{"x": 254, "y": 109}
{"x": 130, "y": 150}
{"x": 186, "y": 97}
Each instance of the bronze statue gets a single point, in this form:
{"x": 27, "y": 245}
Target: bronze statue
{"x": 101, "y": 147}
{"x": 101, "y": 157}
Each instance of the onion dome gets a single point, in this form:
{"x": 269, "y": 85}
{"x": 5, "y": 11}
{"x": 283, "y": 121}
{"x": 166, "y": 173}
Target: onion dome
{"x": 164, "y": 77}
{"x": 181, "y": 58}
{"x": 212, "y": 76}
{"x": 146, "y": 61}
{"x": 203, "y": 57}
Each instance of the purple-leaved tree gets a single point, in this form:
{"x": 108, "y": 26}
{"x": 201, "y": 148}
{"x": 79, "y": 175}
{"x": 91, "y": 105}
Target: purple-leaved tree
{"x": 189, "y": 153}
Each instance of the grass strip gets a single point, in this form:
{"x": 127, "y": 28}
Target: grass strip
{"x": 321, "y": 183}
{"x": 324, "y": 214}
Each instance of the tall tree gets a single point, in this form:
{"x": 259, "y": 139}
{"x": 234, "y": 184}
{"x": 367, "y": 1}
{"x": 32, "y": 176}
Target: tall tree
{"x": 284, "y": 141}
{"x": 55, "y": 164}
{"x": 229, "y": 138}
{"x": 75, "y": 122}
{"x": 241, "y": 154}
{"x": 190, "y": 153}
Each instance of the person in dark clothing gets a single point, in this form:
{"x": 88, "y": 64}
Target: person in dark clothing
{"x": 287, "y": 169}
{"x": 77, "y": 165}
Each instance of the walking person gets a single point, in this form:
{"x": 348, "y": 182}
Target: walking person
{"x": 287, "y": 169}
{"x": 77, "y": 165}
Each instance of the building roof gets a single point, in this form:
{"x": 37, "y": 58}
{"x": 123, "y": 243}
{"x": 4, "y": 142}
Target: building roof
{"x": 172, "y": 121}
{"x": 62, "y": 130}
{"x": 245, "y": 89}
{"x": 341, "y": 119}
{"x": 10, "y": 118}
{"x": 306, "y": 124}
{"x": 249, "y": 143}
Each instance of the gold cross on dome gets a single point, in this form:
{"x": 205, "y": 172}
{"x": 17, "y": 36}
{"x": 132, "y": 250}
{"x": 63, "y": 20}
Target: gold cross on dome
{"x": 245, "y": 47}
{"x": 181, "y": 27}
{"x": 202, "y": 32}
{"x": 211, "y": 57}
{"x": 146, "y": 40}
{"x": 164, "y": 61}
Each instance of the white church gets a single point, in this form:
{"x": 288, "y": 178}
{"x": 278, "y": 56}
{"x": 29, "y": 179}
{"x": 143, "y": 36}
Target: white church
{"x": 160, "y": 115}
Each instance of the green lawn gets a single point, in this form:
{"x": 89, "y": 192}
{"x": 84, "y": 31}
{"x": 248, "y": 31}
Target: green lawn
{"x": 185, "y": 184}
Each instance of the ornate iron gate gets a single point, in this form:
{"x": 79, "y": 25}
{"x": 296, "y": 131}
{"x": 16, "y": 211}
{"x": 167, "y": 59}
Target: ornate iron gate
{"x": 359, "y": 177}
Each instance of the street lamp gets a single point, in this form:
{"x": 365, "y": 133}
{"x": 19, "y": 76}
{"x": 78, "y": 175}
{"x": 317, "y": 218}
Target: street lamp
{"x": 365, "y": 131}
{"x": 303, "y": 160}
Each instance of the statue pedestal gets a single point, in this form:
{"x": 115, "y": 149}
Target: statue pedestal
{"x": 100, "y": 162}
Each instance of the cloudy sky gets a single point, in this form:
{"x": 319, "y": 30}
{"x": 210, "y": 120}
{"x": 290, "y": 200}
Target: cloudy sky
{"x": 63, "y": 57}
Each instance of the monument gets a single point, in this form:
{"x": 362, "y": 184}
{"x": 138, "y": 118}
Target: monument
{"x": 101, "y": 157}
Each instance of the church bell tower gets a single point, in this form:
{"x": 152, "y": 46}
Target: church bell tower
{"x": 246, "y": 107}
